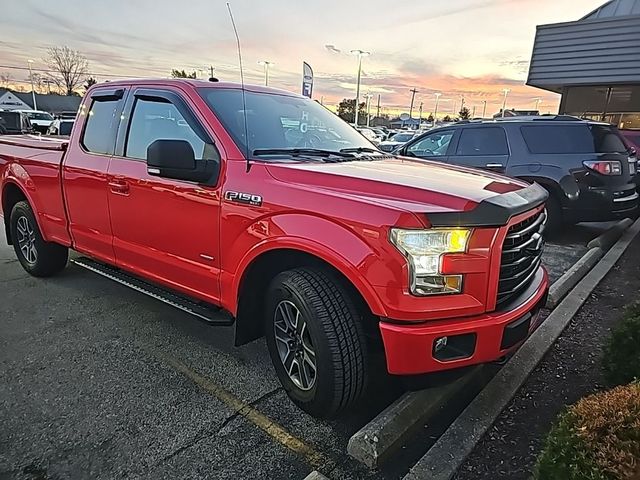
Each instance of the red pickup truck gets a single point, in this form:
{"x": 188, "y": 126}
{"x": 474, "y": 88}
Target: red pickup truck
{"x": 264, "y": 209}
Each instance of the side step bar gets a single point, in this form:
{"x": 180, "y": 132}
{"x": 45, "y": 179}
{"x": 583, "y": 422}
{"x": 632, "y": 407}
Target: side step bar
{"x": 204, "y": 311}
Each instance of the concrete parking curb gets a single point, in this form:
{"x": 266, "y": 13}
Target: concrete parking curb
{"x": 597, "y": 248}
{"x": 449, "y": 452}
{"x": 571, "y": 277}
{"x": 611, "y": 236}
{"x": 315, "y": 475}
{"x": 384, "y": 434}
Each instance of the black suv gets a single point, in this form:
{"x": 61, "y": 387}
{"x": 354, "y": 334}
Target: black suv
{"x": 586, "y": 167}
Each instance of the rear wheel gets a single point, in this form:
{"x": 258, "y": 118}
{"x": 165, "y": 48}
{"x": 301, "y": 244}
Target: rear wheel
{"x": 316, "y": 341}
{"x": 555, "y": 218}
{"x": 37, "y": 257}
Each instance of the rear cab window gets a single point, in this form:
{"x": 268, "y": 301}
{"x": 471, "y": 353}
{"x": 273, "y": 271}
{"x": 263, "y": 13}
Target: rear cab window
{"x": 100, "y": 121}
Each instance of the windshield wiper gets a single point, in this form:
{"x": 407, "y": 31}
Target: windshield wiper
{"x": 298, "y": 152}
{"x": 360, "y": 150}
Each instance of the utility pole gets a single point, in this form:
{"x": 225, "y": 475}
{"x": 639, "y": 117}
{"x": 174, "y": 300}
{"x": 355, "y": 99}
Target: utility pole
{"x": 484, "y": 108}
{"x": 33, "y": 90}
{"x": 473, "y": 115}
{"x": 413, "y": 96}
{"x": 360, "y": 54}
{"x": 435, "y": 115}
{"x": 538, "y": 100}
{"x": 378, "y": 109}
{"x": 420, "y": 115}
{"x": 368, "y": 96}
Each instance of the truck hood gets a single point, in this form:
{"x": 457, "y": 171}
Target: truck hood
{"x": 403, "y": 183}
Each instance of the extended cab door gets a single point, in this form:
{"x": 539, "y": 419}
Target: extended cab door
{"x": 84, "y": 172}
{"x": 483, "y": 147}
{"x": 166, "y": 226}
{"x": 432, "y": 146}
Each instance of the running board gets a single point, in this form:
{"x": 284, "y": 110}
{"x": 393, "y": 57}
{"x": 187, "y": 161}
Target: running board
{"x": 204, "y": 311}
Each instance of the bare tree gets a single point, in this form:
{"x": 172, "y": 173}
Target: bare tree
{"x": 37, "y": 80}
{"x": 69, "y": 67}
{"x": 5, "y": 79}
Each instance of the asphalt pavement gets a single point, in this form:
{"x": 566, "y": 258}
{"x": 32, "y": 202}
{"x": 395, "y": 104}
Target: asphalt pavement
{"x": 99, "y": 381}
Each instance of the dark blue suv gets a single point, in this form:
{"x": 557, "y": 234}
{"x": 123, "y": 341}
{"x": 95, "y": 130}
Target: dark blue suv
{"x": 586, "y": 166}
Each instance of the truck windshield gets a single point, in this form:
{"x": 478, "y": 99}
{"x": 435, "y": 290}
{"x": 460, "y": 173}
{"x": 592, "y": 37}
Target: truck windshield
{"x": 279, "y": 122}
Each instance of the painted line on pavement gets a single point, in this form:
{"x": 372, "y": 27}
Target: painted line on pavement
{"x": 313, "y": 457}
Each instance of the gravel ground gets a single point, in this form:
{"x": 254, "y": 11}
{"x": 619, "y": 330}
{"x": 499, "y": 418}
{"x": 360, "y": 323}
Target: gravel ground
{"x": 571, "y": 370}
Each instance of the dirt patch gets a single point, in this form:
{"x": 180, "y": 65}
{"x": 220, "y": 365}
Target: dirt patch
{"x": 571, "y": 370}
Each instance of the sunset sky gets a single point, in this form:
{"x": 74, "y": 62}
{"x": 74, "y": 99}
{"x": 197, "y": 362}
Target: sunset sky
{"x": 470, "y": 48}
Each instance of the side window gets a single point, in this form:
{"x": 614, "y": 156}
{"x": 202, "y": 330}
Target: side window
{"x": 96, "y": 137}
{"x": 161, "y": 120}
{"x": 482, "y": 141}
{"x": 433, "y": 145}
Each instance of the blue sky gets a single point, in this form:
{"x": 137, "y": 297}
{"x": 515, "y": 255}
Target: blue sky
{"x": 470, "y": 48}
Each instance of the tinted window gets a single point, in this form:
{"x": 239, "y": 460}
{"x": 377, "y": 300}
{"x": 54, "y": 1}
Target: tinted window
{"x": 402, "y": 137}
{"x": 482, "y": 141}
{"x": 433, "y": 145}
{"x": 10, "y": 120}
{"x": 157, "y": 120}
{"x": 583, "y": 138}
{"x": 97, "y": 137}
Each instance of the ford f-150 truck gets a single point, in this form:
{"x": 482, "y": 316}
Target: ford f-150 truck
{"x": 260, "y": 208}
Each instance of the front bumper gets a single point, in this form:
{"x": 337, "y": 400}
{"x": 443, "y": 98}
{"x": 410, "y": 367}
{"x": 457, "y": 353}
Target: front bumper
{"x": 411, "y": 349}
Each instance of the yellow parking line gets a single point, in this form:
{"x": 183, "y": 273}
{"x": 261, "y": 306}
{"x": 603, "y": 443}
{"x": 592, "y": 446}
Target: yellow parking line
{"x": 275, "y": 431}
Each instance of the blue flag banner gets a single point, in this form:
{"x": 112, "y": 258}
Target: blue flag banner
{"x": 307, "y": 80}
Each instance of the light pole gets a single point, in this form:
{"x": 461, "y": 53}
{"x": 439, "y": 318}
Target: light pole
{"x": 484, "y": 108}
{"x": 504, "y": 102}
{"x": 368, "y": 96}
{"x": 435, "y": 115}
{"x": 266, "y": 65}
{"x": 33, "y": 91}
{"x": 360, "y": 54}
{"x": 420, "y": 124}
{"x": 413, "y": 96}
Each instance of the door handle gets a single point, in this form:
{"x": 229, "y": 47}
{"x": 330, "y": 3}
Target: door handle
{"x": 494, "y": 165}
{"x": 119, "y": 186}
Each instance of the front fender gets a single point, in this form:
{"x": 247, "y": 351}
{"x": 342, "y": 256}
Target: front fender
{"x": 342, "y": 248}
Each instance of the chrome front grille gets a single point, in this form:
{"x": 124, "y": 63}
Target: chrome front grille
{"x": 521, "y": 256}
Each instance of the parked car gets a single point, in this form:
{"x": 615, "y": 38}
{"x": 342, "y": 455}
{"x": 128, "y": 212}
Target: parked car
{"x": 396, "y": 141}
{"x": 40, "y": 121}
{"x": 369, "y": 134}
{"x": 337, "y": 253}
{"x": 60, "y": 127}
{"x": 585, "y": 166}
{"x": 14, "y": 123}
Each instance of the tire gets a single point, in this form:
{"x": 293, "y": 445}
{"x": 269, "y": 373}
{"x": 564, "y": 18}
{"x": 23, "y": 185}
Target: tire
{"x": 555, "y": 218}
{"x": 37, "y": 257}
{"x": 333, "y": 333}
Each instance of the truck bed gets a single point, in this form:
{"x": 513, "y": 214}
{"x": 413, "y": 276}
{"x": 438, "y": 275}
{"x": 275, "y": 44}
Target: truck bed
{"x": 35, "y": 142}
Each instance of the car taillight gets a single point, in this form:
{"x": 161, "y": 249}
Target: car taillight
{"x": 604, "y": 167}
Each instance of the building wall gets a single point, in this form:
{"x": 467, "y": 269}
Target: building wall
{"x": 600, "y": 51}
{"x": 8, "y": 101}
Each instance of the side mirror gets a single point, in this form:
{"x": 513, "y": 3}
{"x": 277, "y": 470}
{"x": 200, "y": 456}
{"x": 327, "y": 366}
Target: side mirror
{"x": 176, "y": 159}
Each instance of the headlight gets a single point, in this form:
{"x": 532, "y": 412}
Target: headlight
{"x": 423, "y": 250}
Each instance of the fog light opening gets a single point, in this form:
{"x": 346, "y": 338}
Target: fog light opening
{"x": 454, "y": 347}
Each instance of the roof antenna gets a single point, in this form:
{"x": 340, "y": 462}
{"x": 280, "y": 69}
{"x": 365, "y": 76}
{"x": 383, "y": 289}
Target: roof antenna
{"x": 244, "y": 99}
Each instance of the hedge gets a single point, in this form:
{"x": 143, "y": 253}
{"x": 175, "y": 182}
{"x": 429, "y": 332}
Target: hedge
{"x": 621, "y": 361}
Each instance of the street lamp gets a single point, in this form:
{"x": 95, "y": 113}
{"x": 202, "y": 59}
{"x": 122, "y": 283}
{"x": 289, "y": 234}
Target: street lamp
{"x": 504, "y": 102}
{"x": 360, "y": 54}
{"x": 266, "y": 65}
{"x": 435, "y": 115}
{"x": 33, "y": 91}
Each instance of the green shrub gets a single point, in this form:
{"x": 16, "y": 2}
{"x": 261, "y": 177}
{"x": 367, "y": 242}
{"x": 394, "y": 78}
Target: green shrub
{"x": 622, "y": 353}
{"x": 598, "y": 438}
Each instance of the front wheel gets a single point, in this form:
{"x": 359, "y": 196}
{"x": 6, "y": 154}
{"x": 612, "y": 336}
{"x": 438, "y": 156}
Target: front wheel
{"x": 316, "y": 342}
{"x": 37, "y": 257}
